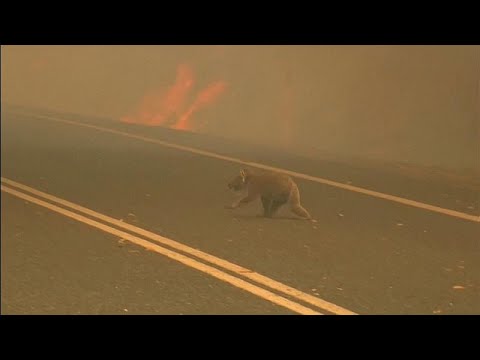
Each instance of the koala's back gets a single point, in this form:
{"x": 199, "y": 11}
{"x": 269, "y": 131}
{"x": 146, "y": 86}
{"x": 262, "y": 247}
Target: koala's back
{"x": 271, "y": 184}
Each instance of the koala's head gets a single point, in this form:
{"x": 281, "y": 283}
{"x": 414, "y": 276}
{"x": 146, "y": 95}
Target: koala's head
{"x": 239, "y": 182}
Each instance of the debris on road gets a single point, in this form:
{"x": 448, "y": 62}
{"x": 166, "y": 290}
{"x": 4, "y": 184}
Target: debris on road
{"x": 459, "y": 287}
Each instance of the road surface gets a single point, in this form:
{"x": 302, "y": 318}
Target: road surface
{"x": 365, "y": 255}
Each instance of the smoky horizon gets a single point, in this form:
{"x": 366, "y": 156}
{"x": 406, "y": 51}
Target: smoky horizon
{"x": 416, "y": 104}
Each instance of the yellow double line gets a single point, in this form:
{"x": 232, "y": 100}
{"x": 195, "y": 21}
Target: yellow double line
{"x": 271, "y": 290}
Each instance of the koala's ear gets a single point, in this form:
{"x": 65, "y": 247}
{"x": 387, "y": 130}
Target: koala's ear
{"x": 243, "y": 174}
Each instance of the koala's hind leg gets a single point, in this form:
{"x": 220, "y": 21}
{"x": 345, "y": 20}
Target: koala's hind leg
{"x": 300, "y": 211}
{"x": 295, "y": 205}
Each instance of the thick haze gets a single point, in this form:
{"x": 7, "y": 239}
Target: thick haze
{"x": 410, "y": 103}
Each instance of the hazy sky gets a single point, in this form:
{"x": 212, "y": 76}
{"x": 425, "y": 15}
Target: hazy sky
{"x": 415, "y": 103}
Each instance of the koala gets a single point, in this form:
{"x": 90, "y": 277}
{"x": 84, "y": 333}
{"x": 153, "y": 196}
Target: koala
{"x": 274, "y": 190}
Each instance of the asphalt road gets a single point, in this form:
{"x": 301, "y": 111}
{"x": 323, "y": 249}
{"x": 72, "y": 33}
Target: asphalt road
{"x": 366, "y": 254}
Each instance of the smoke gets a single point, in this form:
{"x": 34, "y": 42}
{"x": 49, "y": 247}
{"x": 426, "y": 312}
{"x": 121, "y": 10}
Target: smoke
{"x": 418, "y": 104}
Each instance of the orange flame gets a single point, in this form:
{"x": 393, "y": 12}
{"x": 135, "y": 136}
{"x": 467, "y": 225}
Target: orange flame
{"x": 206, "y": 97}
{"x": 158, "y": 106}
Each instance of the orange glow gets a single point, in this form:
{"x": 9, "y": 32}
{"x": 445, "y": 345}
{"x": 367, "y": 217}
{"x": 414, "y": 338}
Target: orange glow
{"x": 158, "y": 107}
{"x": 206, "y": 97}
{"x": 161, "y": 107}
